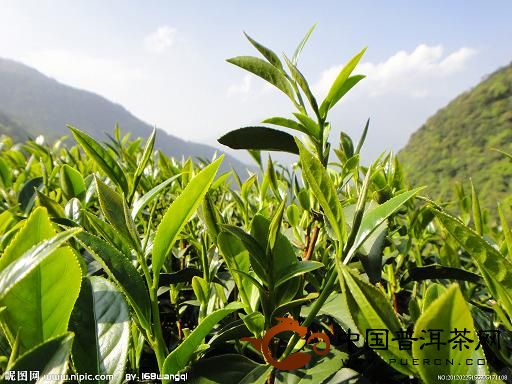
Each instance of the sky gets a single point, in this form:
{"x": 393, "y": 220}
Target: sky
{"x": 165, "y": 61}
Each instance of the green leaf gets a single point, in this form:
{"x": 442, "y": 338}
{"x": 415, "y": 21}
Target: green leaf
{"x": 336, "y": 306}
{"x": 27, "y": 194}
{"x": 181, "y": 355}
{"x": 266, "y": 71}
{"x": 363, "y": 136}
{"x": 109, "y": 233}
{"x": 48, "y": 358}
{"x": 20, "y": 268}
{"x": 236, "y": 369}
{"x": 496, "y": 269}
{"x": 35, "y": 270}
{"x": 433, "y": 292}
{"x": 255, "y": 322}
{"x": 5, "y": 174}
{"x": 436, "y": 272}
{"x": 317, "y": 371}
{"x": 301, "y": 45}
{"x": 54, "y": 208}
{"x": 506, "y": 230}
{"x": 72, "y": 182}
{"x": 266, "y": 52}
{"x": 288, "y": 123}
{"x": 303, "y": 84}
{"x": 211, "y": 217}
{"x": 372, "y": 262}
{"x": 200, "y": 287}
{"x": 293, "y": 215}
{"x": 339, "y": 88}
{"x": 477, "y": 213}
{"x": 275, "y": 226}
{"x": 236, "y": 258}
{"x": 101, "y": 323}
{"x": 259, "y": 138}
{"x": 112, "y": 206}
{"x": 447, "y": 313}
{"x": 377, "y": 216}
{"x": 323, "y": 189}
{"x": 179, "y": 213}
{"x": 148, "y": 151}
{"x": 102, "y": 157}
{"x": 297, "y": 269}
{"x": 151, "y": 195}
{"x": 121, "y": 270}
{"x": 370, "y": 309}
{"x": 256, "y": 252}
{"x": 312, "y": 128}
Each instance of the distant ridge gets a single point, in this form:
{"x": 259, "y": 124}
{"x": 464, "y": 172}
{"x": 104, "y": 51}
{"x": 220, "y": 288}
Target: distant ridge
{"x": 32, "y": 104}
{"x": 456, "y": 143}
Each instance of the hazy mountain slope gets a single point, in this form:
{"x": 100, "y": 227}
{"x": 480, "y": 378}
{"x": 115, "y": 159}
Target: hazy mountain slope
{"x": 455, "y": 144}
{"x": 32, "y": 104}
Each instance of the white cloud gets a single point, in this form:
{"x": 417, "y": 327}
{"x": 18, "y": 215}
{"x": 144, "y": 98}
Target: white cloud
{"x": 404, "y": 72}
{"x": 242, "y": 88}
{"x": 160, "y": 40}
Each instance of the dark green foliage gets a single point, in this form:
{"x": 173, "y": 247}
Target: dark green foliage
{"x": 456, "y": 144}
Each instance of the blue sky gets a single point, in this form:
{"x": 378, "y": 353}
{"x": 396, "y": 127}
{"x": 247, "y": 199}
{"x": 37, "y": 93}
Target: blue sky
{"x": 165, "y": 60}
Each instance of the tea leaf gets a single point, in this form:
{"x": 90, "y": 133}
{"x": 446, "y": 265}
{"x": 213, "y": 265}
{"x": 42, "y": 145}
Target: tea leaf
{"x": 48, "y": 358}
{"x": 35, "y": 270}
{"x": 264, "y": 70}
{"x": 179, "y": 213}
{"x": 301, "y": 45}
{"x": 340, "y": 86}
{"x": 449, "y": 312}
{"x": 151, "y": 195}
{"x": 297, "y": 269}
{"x": 180, "y": 356}
{"x": 496, "y": 269}
{"x": 101, "y": 323}
{"x": 72, "y": 182}
{"x": 370, "y": 309}
{"x": 323, "y": 189}
{"x": 102, "y": 157}
{"x": 121, "y": 270}
{"x": 377, "y": 216}
{"x": 260, "y": 138}
{"x": 148, "y": 151}
{"x": 266, "y": 52}
{"x": 303, "y": 84}
{"x": 113, "y": 207}
{"x": 54, "y": 208}
{"x": 288, "y": 123}
{"x": 238, "y": 369}
{"x": 312, "y": 128}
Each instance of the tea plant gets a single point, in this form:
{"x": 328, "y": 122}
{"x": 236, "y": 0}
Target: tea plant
{"x": 117, "y": 259}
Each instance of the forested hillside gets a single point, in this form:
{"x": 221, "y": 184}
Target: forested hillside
{"x": 457, "y": 143}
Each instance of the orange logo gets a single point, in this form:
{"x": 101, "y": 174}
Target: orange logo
{"x": 295, "y": 360}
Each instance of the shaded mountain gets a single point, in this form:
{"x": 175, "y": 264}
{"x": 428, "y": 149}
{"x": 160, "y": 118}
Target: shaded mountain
{"x": 32, "y": 104}
{"x": 456, "y": 143}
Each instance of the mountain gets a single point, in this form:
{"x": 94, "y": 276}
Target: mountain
{"x": 32, "y": 104}
{"x": 457, "y": 143}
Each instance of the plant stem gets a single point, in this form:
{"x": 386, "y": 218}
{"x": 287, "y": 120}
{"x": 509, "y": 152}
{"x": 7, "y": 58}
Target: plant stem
{"x": 158, "y": 338}
{"x": 311, "y": 245}
{"x": 332, "y": 277}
